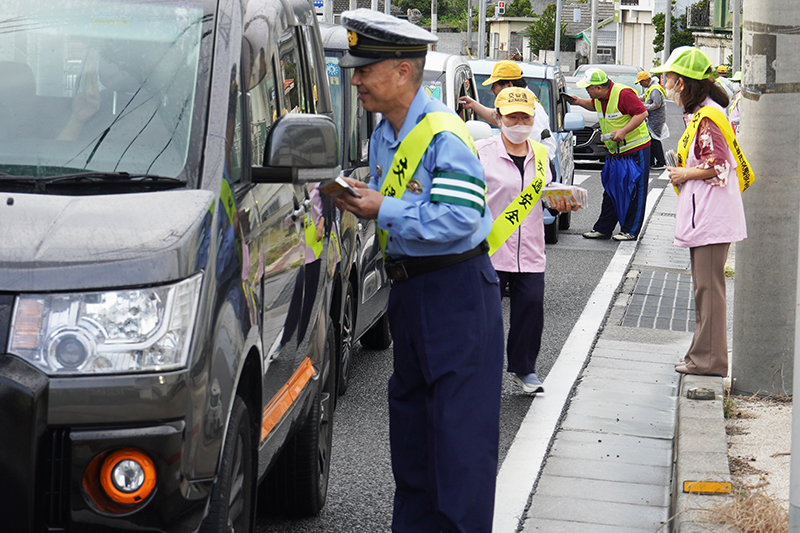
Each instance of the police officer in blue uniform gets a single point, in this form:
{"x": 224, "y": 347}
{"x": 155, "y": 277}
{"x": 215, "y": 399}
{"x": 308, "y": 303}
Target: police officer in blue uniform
{"x": 444, "y": 309}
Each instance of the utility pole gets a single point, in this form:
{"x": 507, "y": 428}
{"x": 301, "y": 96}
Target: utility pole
{"x": 387, "y": 7}
{"x": 353, "y": 4}
{"x": 558, "y": 32}
{"x": 765, "y": 302}
{"x": 373, "y": 5}
{"x": 482, "y": 29}
{"x": 737, "y": 35}
{"x": 593, "y": 45}
{"x": 667, "y": 32}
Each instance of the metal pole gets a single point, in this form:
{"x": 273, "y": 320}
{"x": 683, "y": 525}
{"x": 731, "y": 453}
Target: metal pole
{"x": 593, "y": 45}
{"x": 737, "y": 35}
{"x": 434, "y": 18}
{"x": 667, "y": 32}
{"x": 373, "y": 5}
{"x": 558, "y": 32}
{"x": 327, "y": 11}
{"x": 482, "y": 29}
{"x": 469, "y": 28}
{"x": 387, "y": 7}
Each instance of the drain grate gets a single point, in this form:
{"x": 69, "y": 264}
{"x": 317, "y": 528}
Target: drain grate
{"x": 661, "y": 300}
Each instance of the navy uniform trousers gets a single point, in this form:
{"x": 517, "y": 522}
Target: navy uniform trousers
{"x": 634, "y": 218}
{"x": 444, "y": 398}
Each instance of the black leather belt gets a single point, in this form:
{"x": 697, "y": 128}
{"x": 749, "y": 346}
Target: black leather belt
{"x": 408, "y": 268}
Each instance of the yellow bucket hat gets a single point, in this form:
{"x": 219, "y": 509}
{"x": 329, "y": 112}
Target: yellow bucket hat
{"x": 504, "y": 70}
{"x": 515, "y": 100}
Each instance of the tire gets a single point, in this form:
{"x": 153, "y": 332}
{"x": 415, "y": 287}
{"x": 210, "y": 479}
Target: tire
{"x": 227, "y": 511}
{"x": 551, "y": 233}
{"x": 378, "y": 337}
{"x": 347, "y": 330}
{"x": 298, "y": 483}
{"x": 564, "y": 220}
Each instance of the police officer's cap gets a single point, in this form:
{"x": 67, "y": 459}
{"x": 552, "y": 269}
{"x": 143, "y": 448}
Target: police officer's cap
{"x": 374, "y": 36}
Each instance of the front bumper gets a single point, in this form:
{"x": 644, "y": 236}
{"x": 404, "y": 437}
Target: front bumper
{"x": 44, "y": 467}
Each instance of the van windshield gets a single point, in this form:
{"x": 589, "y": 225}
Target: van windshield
{"x": 540, "y": 87}
{"x": 94, "y": 85}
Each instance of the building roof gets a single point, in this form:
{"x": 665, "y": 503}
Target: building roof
{"x": 605, "y": 11}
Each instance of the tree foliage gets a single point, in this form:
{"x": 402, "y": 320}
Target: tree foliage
{"x": 680, "y": 35}
{"x": 542, "y": 32}
{"x": 519, "y": 8}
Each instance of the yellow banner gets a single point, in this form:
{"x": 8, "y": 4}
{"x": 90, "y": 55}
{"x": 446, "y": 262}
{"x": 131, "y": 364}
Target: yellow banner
{"x": 410, "y": 152}
{"x": 743, "y": 169}
{"x": 512, "y": 216}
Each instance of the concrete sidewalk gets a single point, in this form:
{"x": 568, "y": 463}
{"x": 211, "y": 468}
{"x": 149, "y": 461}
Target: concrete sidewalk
{"x": 630, "y": 437}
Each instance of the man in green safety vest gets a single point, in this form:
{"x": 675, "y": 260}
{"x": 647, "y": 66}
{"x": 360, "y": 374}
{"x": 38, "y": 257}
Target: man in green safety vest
{"x": 622, "y": 120}
{"x": 655, "y": 101}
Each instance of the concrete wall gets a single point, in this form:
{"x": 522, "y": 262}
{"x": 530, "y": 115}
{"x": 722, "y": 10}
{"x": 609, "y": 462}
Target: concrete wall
{"x": 452, "y": 43}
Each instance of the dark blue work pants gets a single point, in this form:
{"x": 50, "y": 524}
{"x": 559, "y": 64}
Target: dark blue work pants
{"x": 526, "y": 290}
{"x": 444, "y": 398}
{"x": 634, "y": 218}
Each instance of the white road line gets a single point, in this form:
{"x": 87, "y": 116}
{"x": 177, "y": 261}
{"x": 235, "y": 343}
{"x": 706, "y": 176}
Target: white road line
{"x": 524, "y": 459}
{"x": 577, "y": 179}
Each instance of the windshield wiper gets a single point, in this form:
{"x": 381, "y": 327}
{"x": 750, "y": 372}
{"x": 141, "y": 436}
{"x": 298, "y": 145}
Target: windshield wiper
{"x": 114, "y": 177}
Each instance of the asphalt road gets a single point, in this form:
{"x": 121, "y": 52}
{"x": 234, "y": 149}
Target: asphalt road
{"x": 361, "y": 486}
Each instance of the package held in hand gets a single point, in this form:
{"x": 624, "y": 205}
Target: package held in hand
{"x": 576, "y": 195}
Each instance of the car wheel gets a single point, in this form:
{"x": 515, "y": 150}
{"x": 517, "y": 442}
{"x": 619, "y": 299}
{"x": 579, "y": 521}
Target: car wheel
{"x": 346, "y": 339}
{"x": 378, "y": 337}
{"x": 298, "y": 483}
{"x": 564, "y": 220}
{"x": 551, "y": 233}
{"x": 231, "y": 506}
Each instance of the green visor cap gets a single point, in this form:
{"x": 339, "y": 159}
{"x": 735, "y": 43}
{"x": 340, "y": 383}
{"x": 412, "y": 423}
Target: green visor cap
{"x": 687, "y": 61}
{"x": 593, "y": 76}
{"x": 737, "y": 76}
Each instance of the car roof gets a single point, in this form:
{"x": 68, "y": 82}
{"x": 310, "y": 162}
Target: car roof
{"x": 529, "y": 70}
{"x": 611, "y": 69}
{"x": 437, "y": 61}
{"x": 334, "y": 36}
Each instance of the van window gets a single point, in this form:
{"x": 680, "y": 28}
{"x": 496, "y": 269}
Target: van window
{"x": 313, "y": 70}
{"x": 434, "y": 84}
{"x": 263, "y": 110}
{"x": 294, "y": 94}
{"x": 100, "y": 87}
{"x": 336, "y": 82}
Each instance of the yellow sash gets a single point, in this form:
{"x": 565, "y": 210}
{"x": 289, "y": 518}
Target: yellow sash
{"x": 512, "y": 216}
{"x": 743, "y": 169}
{"x": 311, "y": 236}
{"x": 410, "y": 152}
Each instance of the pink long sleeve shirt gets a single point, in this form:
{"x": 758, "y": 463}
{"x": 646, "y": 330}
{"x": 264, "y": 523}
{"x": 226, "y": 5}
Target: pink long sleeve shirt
{"x": 710, "y": 211}
{"x": 524, "y": 250}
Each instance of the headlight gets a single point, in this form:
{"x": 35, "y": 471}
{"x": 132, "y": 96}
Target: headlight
{"x": 130, "y": 330}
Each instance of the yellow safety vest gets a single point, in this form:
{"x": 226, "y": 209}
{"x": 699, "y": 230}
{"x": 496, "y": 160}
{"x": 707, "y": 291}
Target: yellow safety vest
{"x": 735, "y": 102}
{"x": 743, "y": 169}
{"x": 512, "y": 216}
{"x": 652, "y": 87}
{"x": 410, "y": 152}
{"x": 615, "y": 120}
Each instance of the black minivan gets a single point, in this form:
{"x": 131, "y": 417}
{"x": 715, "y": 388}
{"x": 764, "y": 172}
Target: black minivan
{"x": 169, "y": 292}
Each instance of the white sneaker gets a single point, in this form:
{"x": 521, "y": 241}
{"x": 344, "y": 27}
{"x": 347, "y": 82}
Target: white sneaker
{"x": 530, "y": 383}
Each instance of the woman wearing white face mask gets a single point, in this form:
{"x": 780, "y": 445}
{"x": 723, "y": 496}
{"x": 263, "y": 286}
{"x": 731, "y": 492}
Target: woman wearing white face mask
{"x": 710, "y": 213}
{"x": 512, "y": 163}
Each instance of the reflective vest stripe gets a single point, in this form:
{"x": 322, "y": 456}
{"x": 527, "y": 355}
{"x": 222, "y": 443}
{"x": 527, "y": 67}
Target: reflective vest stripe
{"x": 412, "y": 148}
{"x": 512, "y": 216}
{"x": 615, "y": 120}
{"x": 743, "y": 168}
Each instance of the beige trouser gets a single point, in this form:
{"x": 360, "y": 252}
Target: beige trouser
{"x": 708, "y": 354}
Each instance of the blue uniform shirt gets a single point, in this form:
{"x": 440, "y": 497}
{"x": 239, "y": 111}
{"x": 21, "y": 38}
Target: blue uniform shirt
{"x": 417, "y": 225}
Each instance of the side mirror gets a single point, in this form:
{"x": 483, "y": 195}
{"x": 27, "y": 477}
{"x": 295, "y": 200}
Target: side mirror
{"x": 479, "y": 129}
{"x": 573, "y": 122}
{"x": 300, "y": 148}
